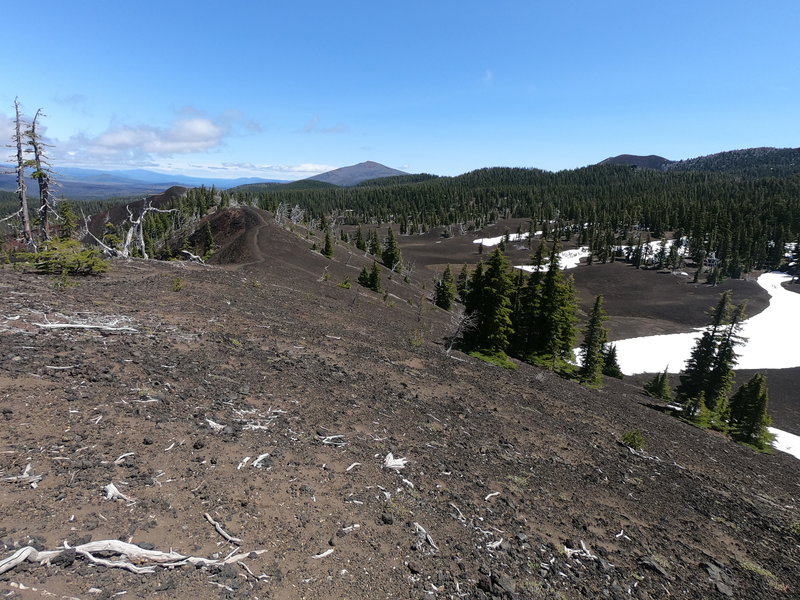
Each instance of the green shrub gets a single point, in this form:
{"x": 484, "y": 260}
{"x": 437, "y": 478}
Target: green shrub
{"x": 67, "y": 257}
{"x": 633, "y": 439}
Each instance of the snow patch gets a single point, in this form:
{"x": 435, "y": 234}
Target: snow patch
{"x": 512, "y": 237}
{"x": 785, "y": 441}
{"x": 568, "y": 259}
{"x": 771, "y": 338}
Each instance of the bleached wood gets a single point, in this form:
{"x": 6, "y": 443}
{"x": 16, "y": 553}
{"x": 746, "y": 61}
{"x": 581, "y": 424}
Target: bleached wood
{"x": 221, "y": 531}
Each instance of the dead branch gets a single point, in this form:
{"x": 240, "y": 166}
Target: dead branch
{"x": 424, "y": 535}
{"x": 113, "y": 493}
{"x": 390, "y": 462}
{"x": 28, "y": 477}
{"x": 221, "y": 531}
{"x": 193, "y": 257}
{"x": 84, "y": 326}
{"x": 132, "y": 557}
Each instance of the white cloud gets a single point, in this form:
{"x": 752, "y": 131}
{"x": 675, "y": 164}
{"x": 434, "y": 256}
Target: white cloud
{"x": 191, "y": 132}
{"x": 182, "y": 137}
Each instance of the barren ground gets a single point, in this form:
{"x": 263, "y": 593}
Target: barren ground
{"x": 505, "y": 468}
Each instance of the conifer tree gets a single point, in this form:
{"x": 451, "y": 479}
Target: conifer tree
{"x": 327, "y": 247}
{"x": 610, "y": 363}
{"x": 658, "y": 387}
{"x": 375, "y": 278}
{"x": 444, "y": 290}
{"x": 373, "y": 244}
{"x": 461, "y": 284}
{"x": 494, "y": 329}
{"x": 595, "y": 336}
{"x": 749, "y": 417}
{"x": 721, "y": 377}
{"x": 694, "y": 379}
{"x": 391, "y": 256}
{"x": 361, "y": 244}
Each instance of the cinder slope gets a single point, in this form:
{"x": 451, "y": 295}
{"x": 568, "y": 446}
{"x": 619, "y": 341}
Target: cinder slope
{"x": 505, "y": 468}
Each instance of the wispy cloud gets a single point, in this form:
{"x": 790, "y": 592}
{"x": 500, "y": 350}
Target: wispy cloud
{"x": 301, "y": 169}
{"x": 488, "y": 77}
{"x": 190, "y": 132}
{"x": 313, "y": 127}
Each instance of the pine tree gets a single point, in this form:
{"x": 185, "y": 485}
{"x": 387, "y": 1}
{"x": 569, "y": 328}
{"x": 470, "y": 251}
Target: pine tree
{"x": 595, "y": 336}
{"x": 373, "y": 244}
{"x": 749, "y": 417}
{"x": 370, "y": 279}
{"x": 327, "y": 247}
{"x": 473, "y": 304}
{"x": 494, "y": 329}
{"x": 69, "y": 221}
{"x": 444, "y": 290}
{"x": 361, "y": 244}
{"x": 610, "y": 362}
{"x": 461, "y": 284}
{"x": 694, "y": 379}
{"x": 658, "y": 387}
{"x": 391, "y": 256}
{"x": 375, "y": 278}
{"x": 721, "y": 377}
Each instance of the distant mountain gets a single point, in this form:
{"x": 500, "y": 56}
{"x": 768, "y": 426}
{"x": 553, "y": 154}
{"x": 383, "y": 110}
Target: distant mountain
{"x": 355, "y": 174}
{"x": 80, "y": 184}
{"x": 651, "y": 161}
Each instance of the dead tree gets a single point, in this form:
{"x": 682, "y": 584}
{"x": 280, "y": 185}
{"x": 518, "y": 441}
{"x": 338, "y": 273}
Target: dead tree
{"x": 137, "y": 229}
{"x": 41, "y": 173}
{"x": 462, "y": 323}
{"x": 21, "y": 188}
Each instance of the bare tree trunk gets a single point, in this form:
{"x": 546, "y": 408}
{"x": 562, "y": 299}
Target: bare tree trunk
{"x": 21, "y": 189}
{"x": 41, "y": 175}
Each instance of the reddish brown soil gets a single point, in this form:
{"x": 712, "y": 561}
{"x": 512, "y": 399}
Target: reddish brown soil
{"x": 505, "y": 467}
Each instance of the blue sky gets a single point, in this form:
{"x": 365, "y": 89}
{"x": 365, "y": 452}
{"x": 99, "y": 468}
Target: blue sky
{"x": 286, "y": 90}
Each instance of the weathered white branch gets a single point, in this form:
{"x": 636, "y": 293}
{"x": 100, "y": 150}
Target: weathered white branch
{"x": 113, "y": 493}
{"x": 85, "y": 326}
{"x": 424, "y": 535}
{"x": 137, "y": 560}
{"x": 327, "y": 552}
{"x": 193, "y": 257}
{"x": 390, "y": 462}
{"x": 221, "y": 531}
{"x": 27, "y": 477}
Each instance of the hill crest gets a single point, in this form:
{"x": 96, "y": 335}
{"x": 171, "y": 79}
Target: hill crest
{"x": 355, "y": 174}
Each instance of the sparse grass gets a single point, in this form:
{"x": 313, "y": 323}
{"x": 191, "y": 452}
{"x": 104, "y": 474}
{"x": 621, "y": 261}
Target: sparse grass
{"x": 345, "y": 283}
{"x": 772, "y": 580}
{"x": 178, "y": 284}
{"x": 416, "y": 340}
{"x": 498, "y": 359}
{"x": 795, "y": 528}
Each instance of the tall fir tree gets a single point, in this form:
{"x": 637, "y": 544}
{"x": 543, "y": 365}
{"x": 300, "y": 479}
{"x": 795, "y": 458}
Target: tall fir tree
{"x": 610, "y": 362}
{"x": 391, "y": 256}
{"x": 327, "y": 246}
{"x": 749, "y": 417}
{"x": 594, "y": 339}
{"x": 361, "y": 244}
{"x": 694, "y": 379}
{"x": 444, "y": 290}
{"x": 494, "y": 329}
{"x": 373, "y": 243}
{"x": 461, "y": 284}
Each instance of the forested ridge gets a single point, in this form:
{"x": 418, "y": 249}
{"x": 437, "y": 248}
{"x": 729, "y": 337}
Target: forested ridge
{"x": 744, "y": 221}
